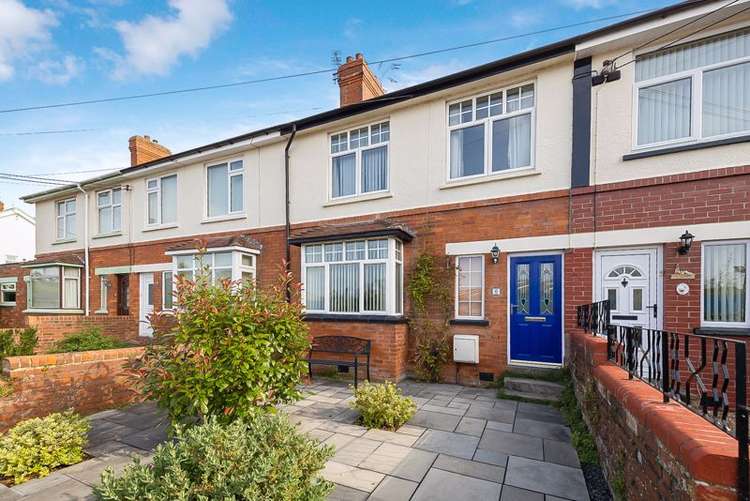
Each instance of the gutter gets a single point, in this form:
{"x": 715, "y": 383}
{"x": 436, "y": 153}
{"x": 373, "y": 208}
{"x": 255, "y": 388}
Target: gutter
{"x": 287, "y": 221}
{"x": 87, "y": 296}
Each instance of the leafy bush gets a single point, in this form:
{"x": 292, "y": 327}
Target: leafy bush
{"x": 431, "y": 353}
{"x": 383, "y": 405}
{"x": 6, "y": 387}
{"x": 33, "y": 448}
{"x": 9, "y": 347}
{"x": 261, "y": 457}
{"x": 231, "y": 348}
{"x": 87, "y": 340}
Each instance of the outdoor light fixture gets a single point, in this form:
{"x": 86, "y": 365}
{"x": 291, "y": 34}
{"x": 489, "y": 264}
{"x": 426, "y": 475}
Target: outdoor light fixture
{"x": 495, "y": 253}
{"x": 686, "y": 241}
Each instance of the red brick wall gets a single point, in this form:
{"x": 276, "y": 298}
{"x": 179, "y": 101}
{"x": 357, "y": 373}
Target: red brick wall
{"x": 52, "y": 328}
{"x": 12, "y": 316}
{"x": 87, "y": 382}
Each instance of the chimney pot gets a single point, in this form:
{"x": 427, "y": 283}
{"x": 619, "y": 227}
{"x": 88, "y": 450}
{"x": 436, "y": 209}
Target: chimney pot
{"x": 358, "y": 55}
{"x": 349, "y": 59}
{"x": 144, "y": 149}
{"x": 2, "y": 206}
{"x": 357, "y": 82}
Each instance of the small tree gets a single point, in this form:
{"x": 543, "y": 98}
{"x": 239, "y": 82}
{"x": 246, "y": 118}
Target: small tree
{"x": 230, "y": 349}
{"x": 431, "y": 301}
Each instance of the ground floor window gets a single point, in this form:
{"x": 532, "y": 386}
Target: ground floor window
{"x": 725, "y": 283}
{"x": 354, "y": 276}
{"x": 55, "y": 287}
{"x": 470, "y": 287}
{"x": 231, "y": 265}
{"x": 8, "y": 291}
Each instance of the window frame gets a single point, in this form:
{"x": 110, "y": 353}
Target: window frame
{"x": 488, "y": 121}
{"x": 158, "y": 190}
{"x": 4, "y": 283}
{"x": 696, "y": 101}
{"x": 456, "y": 315}
{"x": 64, "y": 307}
{"x": 103, "y": 295}
{"x": 358, "y": 159}
{"x": 230, "y": 174}
{"x": 237, "y": 268}
{"x": 393, "y": 306}
{"x": 164, "y": 292}
{"x": 112, "y": 205}
{"x": 735, "y": 325}
{"x": 64, "y": 203}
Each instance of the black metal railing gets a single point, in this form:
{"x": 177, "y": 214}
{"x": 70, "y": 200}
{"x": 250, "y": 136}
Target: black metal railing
{"x": 705, "y": 374}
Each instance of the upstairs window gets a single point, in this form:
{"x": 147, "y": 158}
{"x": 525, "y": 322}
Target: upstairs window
{"x": 161, "y": 195}
{"x": 226, "y": 188}
{"x": 65, "y": 212}
{"x": 491, "y": 133}
{"x": 109, "y": 207}
{"x": 694, "y": 91}
{"x": 359, "y": 160}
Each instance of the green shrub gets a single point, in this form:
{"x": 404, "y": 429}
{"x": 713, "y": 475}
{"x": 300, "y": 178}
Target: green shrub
{"x": 383, "y": 405}
{"x": 88, "y": 339}
{"x": 260, "y": 457}
{"x": 33, "y": 448}
{"x": 431, "y": 353}
{"x": 230, "y": 350}
{"x": 9, "y": 347}
{"x": 6, "y": 387}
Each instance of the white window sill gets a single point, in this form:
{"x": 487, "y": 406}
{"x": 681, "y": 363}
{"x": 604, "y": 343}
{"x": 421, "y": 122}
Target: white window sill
{"x": 8, "y": 305}
{"x": 64, "y": 241}
{"x": 500, "y": 176}
{"x": 101, "y": 312}
{"x": 358, "y": 198}
{"x": 107, "y": 235}
{"x": 57, "y": 311}
{"x": 218, "y": 219}
{"x": 157, "y": 227}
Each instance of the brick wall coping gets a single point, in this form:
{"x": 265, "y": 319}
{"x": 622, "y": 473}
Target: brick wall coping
{"x": 709, "y": 454}
{"x": 54, "y": 359}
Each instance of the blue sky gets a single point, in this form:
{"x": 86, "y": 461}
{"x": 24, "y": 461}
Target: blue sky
{"x": 55, "y": 51}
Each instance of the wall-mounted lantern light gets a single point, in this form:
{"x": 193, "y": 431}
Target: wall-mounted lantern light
{"x": 495, "y": 254}
{"x": 686, "y": 241}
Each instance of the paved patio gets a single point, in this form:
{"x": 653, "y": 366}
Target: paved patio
{"x": 462, "y": 443}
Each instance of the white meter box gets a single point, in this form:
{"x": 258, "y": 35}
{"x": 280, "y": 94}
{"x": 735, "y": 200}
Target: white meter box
{"x": 466, "y": 349}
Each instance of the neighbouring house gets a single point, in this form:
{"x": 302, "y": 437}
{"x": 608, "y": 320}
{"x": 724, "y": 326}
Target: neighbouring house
{"x": 546, "y": 179}
{"x": 18, "y": 227}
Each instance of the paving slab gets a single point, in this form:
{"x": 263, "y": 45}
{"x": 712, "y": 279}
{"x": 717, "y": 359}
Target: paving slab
{"x": 351, "y": 476}
{"x": 394, "y": 489}
{"x": 89, "y": 472}
{"x": 408, "y": 429}
{"x": 103, "y": 430}
{"x": 435, "y": 420}
{"x": 511, "y": 493}
{"x": 444, "y": 442}
{"x": 67, "y": 490}
{"x": 322, "y": 411}
{"x": 399, "y": 461}
{"x": 445, "y": 485}
{"x": 502, "y": 415}
{"x": 304, "y": 423}
{"x": 149, "y": 438}
{"x": 470, "y": 468}
{"x": 512, "y": 444}
{"x": 494, "y": 425}
{"x": 391, "y": 437}
{"x": 444, "y": 410}
{"x": 319, "y": 435}
{"x": 549, "y": 478}
{"x": 491, "y": 457}
{"x": 471, "y": 426}
{"x": 542, "y": 429}
{"x": 339, "y": 440}
{"x": 344, "y": 493}
{"x": 561, "y": 453}
{"x": 138, "y": 421}
{"x": 356, "y": 451}
{"x": 39, "y": 484}
{"x": 345, "y": 428}
{"x": 6, "y": 494}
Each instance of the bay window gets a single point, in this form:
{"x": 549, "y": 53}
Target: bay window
{"x": 491, "y": 133}
{"x": 225, "y": 184}
{"x": 725, "y": 284}
{"x": 354, "y": 277}
{"x": 55, "y": 287}
{"x": 470, "y": 287}
{"x": 359, "y": 160}
{"x": 161, "y": 200}
{"x": 109, "y": 208}
{"x": 230, "y": 264}
{"x": 65, "y": 218}
{"x": 693, "y": 92}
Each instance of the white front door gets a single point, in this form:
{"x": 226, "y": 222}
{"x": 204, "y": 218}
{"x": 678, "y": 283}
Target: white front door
{"x": 146, "y": 301}
{"x": 630, "y": 280}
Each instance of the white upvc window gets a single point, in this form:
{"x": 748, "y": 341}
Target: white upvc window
{"x": 167, "y": 290}
{"x": 109, "y": 210}
{"x": 103, "y": 295}
{"x": 359, "y": 160}
{"x": 161, "y": 200}
{"x": 65, "y": 215}
{"x": 469, "y": 287}
{"x": 725, "y": 284}
{"x": 8, "y": 291}
{"x": 353, "y": 277}
{"x": 491, "y": 133}
{"x": 693, "y": 92}
{"x": 225, "y": 189}
{"x": 233, "y": 264}
{"x": 55, "y": 287}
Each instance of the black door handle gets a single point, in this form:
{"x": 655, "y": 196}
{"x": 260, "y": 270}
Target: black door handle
{"x": 654, "y": 307}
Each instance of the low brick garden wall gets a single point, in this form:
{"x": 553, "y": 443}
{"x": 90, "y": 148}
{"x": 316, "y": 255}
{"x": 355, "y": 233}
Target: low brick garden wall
{"x": 88, "y": 382}
{"x": 649, "y": 449}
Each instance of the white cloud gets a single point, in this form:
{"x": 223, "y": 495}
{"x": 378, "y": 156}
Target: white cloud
{"x": 524, "y": 19}
{"x": 57, "y": 72}
{"x": 22, "y": 30}
{"x": 155, "y": 44}
{"x": 588, "y": 4}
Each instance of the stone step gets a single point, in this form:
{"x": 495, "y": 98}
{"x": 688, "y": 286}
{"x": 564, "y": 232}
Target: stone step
{"x": 529, "y": 396}
{"x": 544, "y": 390}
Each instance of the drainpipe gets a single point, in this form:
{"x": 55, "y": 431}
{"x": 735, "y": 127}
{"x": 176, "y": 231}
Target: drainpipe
{"x": 288, "y": 226}
{"x": 86, "y": 245}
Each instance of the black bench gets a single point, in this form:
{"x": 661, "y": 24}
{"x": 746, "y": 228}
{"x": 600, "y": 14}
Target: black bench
{"x": 340, "y": 344}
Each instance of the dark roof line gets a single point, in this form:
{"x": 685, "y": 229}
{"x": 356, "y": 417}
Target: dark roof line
{"x": 514, "y": 61}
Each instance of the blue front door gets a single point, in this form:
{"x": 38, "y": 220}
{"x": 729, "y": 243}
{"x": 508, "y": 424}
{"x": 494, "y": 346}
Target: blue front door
{"x": 536, "y": 309}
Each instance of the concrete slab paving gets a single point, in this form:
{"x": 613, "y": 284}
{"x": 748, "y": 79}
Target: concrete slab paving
{"x": 542, "y": 429}
{"x": 561, "y": 453}
{"x": 356, "y": 451}
{"x": 501, "y": 415}
{"x": 344, "y": 493}
{"x": 511, "y": 493}
{"x": 394, "y": 489}
{"x": 444, "y": 442}
{"x": 471, "y": 426}
{"x": 444, "y": 485}
{"x": 512, "y": 444}
{"x": 435, "y": 420}
{"x": 399, "y": 461}
{"x": 390, "y": 437}
{"x": 351, "y": 476}
{"x": 549, "y": 478}
{"x": 470, "y": 468}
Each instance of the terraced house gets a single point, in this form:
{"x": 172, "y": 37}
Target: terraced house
{"x": 613, "y": 165}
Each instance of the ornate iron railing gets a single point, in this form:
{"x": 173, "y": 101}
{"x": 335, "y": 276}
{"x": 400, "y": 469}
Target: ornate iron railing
{"x": 706, "y": 374}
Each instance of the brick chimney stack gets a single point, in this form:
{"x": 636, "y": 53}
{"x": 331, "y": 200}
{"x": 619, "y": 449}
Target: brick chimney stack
{"x": 144, "y": 149}
{"x": 2, "y": 206}
{"x": 356, "y": 81}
